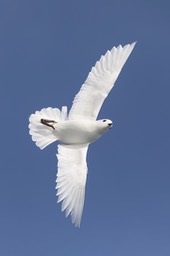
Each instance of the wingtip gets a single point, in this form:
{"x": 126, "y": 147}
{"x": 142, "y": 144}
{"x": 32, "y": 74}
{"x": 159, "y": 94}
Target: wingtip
{"x": 129, "y": 44}
{"x": 134, "y": 43}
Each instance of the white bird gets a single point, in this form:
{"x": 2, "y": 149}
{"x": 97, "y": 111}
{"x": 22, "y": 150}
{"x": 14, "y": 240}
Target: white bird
{"x": 78, "y": 129}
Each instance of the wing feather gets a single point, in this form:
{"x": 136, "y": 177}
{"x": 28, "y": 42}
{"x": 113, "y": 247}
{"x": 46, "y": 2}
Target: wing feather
{"x": 71, "y": 180}
{"x": 101, "y": 79}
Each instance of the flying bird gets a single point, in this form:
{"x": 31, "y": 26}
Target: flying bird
{"x": 77, "y": 129}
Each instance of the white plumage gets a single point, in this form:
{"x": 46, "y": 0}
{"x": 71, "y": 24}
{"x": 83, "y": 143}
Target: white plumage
{"x": 71, "y": 180}
{"x": 78, "y": 129}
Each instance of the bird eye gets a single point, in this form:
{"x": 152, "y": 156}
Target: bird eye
{"x": 104, "y": 120}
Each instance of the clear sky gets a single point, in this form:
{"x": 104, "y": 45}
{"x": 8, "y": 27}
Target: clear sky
{"x": 47, "y": 49}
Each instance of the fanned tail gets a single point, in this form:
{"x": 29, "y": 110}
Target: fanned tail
{"x": 42, "y": 134}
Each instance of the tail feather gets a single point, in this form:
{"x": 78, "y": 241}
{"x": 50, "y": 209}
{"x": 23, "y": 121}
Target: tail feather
{"x": 44, "y": 135}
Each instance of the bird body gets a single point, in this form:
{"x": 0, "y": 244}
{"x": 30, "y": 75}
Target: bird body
{"x": 76, "y": 130}
{"x": 80, "y": 131}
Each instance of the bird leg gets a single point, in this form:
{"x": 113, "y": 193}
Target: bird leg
{"x": 48, "y": 123}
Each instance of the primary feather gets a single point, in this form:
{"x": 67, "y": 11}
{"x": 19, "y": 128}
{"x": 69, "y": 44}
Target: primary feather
{"x": 71, "y": 180}
{"x": 87, "y": 103}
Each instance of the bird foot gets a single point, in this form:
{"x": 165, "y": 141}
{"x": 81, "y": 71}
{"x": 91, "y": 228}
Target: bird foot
{"x": 48, "y": 123}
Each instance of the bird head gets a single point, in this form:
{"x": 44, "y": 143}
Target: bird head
{"x": 105, "y": 124}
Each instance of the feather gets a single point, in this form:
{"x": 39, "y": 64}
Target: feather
{"x": 88, "y": 102}
{"x": 71, "y": 180}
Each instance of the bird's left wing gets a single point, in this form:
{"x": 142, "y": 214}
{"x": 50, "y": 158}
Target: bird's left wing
{"x": 71, "y": 180}
{"x": 101, "y": 79}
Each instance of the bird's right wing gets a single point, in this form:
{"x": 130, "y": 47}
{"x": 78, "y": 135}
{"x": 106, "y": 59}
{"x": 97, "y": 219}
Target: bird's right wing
{"x": 101, "y": 79}
{"x": 71, "y": 180}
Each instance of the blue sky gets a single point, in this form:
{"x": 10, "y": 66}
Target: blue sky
{"x": 47, "y": 49}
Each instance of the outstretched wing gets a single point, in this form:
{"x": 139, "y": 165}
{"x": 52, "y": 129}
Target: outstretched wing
{"x": 71, "y": 180}
{"x": 101, "y": 79}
